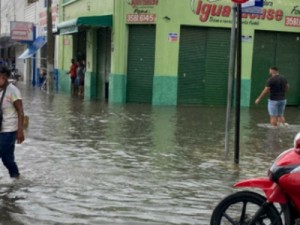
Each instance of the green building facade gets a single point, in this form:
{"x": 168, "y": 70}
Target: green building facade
{"x": 176, "y": 52}
{"x": 85, "y": 30}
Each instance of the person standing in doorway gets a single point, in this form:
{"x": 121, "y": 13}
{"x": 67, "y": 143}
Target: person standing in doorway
{"x": 11, "y": 123}
{"x": 73, "y": 72}
{"x": 276, "y": 87}
{"x": 80, "y": 77}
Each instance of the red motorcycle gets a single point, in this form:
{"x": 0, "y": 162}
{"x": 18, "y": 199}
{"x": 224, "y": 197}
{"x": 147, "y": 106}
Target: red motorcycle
{"x": 280, "y": 204}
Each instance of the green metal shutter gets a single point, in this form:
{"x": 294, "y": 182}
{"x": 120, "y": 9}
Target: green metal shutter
{"x": 191, "y": 66}
{"x": 288, "y": 62}
{"x": 217, "y": 64}
{"x": 203, "y": 66}
{"x": 141, "y": 53}
{"x": 276, "y": 49}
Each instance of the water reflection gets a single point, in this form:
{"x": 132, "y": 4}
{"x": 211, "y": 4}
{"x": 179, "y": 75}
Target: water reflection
{"x": 86, "y": 162}
{"x": 9, "y": 210}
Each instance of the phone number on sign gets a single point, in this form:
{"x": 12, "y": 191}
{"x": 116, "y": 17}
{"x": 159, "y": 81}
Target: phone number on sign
{"x": 292, "y": 21}
{"x": 141, "y": 18}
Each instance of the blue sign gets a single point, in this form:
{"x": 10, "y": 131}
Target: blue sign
{"x": 253, "y": 7}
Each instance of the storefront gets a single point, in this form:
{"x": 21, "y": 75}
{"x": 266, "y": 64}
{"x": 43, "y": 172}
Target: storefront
{"x": 85, "y": 33}
{"x": 168, "y": 52}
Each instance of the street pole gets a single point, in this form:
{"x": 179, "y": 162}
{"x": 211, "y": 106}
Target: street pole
{"x": 238, "y": 84}
{"x": 0, "y": 17}
{"x": 50, "y": 50}
{"x": 230, "y": 78}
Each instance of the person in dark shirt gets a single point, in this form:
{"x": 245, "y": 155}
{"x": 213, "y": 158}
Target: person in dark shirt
{"x": 276, "y": 86}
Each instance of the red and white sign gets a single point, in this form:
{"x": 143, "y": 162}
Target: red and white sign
{"x": 21, "y": 31}
{"x": 292, "y": 21}
{"x": 43, "y": 16}
{"x": 135, "y": 3}
{"x": 173, "y": 37}
{"x": 141, "y": 18}
{"x": 239, "y": 1}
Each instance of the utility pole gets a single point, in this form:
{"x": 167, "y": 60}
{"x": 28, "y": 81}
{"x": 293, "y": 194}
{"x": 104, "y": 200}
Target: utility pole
{"x": 231, "y": 69}
{"x": 50, "y": 50}
{"x": 0, "y": 17}
{"x": 238, "y": 85}
{"x": 238, "y": 80}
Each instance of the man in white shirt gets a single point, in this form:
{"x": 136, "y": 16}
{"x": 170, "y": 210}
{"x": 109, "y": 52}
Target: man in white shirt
{"x": 12, "y": 123}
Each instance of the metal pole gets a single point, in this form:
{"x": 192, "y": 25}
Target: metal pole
{"x": 230, "y": 78}
{"x": 238, "y": 84}
{"x": 0, "y": 17}
{"x": 50, "y": 50}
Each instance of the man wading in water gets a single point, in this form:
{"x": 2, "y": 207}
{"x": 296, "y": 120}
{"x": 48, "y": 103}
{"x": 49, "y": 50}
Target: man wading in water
{"x": 277, "y": 86}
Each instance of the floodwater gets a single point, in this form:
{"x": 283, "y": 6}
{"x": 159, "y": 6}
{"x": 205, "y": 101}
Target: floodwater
{"x": 87, "y": 162}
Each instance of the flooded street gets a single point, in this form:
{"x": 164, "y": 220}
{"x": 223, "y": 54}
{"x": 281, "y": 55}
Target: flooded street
{"x": 87, "y": 162}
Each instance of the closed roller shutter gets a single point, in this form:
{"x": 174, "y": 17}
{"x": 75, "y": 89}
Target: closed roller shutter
{"x": 141, "y": 53}
{"x": 203, "y": 66}
{"x": 217, "y": 63}
{"x": 191, "y": 66}
{"x": 288, "y": 62}
{"x": 281, "y": 50}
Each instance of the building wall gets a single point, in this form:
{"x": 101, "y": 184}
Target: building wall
{"x": 9, "y": 12}
{"x": 22, "y": 11}
{"x": 279, "y": 15}
{"x": 74, "y": 8}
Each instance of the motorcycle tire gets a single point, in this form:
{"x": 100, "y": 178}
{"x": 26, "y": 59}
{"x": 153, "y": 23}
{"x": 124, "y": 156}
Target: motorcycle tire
{"x": 240, "y": 207}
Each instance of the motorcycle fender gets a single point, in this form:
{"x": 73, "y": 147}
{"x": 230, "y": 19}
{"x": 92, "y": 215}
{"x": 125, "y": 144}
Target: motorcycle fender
{"x": 272, "y": 191}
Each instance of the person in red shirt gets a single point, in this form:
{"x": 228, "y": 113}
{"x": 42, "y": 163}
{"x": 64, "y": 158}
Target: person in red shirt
{"x": 72, "y": 72}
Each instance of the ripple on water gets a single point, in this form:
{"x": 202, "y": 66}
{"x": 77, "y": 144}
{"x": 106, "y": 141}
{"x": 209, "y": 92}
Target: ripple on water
{"x": 86, "y": 162}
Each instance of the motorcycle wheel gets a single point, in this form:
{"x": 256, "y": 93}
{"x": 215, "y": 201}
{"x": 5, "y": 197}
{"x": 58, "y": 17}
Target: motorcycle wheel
{"x": 239, "y": 209}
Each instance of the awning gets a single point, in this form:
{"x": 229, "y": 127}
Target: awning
{"x": 33, "y": 48}
{"x": 6, "y": 42}
{"x": 72, "y": 26}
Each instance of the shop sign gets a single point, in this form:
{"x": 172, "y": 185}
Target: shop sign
{"x": 173, "y": 37}
{"x": 247, "y": 38}
{"x": 294, "y": 19}
{"x": 43, "y": 18}
{"x": 141, "y": 11}
{"x": 136, "y": 3}
{"x": 239, "y": 1}
{"x": 220, "y": 11}
{"x": 21, "y": 31}
{"x": 213, "y": 12}
{"x": 141, "y": 18}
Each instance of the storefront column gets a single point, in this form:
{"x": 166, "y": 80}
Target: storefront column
{"x": 117, "y": 78}
{"x": 90, "y": 81}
